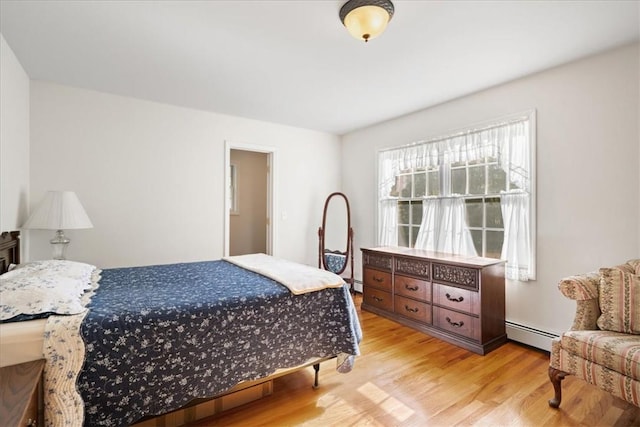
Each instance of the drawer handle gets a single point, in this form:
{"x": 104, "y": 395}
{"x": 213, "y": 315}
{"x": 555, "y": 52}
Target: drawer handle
{"x": 459, "y": 324}
{"x": 450, "y": 298}
{"x": 411, "y": 288}
{"x": 378, "y": 279}
{"x": 411, "y": 310}
{"x": 377, "y": 298}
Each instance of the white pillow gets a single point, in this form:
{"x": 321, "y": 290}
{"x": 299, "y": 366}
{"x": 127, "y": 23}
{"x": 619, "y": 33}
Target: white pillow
{"x": 55, "y": 268}
{"x": 46, "y": 287}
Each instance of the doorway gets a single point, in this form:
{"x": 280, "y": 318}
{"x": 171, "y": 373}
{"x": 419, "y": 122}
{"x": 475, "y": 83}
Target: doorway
{"x": 249, "y": 206}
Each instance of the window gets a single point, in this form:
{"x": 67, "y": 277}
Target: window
{"x": 233, "y": 190}
{"x": 470, "y": 193}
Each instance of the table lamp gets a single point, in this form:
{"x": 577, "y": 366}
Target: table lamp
{"x": 59, "y": 210}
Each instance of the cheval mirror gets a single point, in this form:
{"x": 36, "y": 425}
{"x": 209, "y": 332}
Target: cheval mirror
{"x": 335, "y": 248}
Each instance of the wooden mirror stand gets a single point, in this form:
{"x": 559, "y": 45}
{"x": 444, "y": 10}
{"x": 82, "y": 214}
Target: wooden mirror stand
{"x": 331, "y": 259}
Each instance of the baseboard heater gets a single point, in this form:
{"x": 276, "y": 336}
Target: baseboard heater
{"x": 357, "y": 285}
{"x": 530, "y": 336}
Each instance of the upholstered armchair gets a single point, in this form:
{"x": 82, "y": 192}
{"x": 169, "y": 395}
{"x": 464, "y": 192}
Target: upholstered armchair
{"x": 603, "y": 345}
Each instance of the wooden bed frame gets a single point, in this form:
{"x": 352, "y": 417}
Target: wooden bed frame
{"x": 9, "y": 249}
{"x": 198, "y": 409}
{"x": 241, "y": 394}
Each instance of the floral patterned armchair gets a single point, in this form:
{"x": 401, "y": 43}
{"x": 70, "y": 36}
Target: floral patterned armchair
{"x": 603, "y": 345}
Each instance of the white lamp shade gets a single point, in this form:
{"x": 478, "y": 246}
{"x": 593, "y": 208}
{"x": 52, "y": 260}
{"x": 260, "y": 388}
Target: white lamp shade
{"x": 59, "y": 210}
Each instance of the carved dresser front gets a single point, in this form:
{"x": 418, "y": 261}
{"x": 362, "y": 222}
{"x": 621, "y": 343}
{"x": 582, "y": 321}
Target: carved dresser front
{"x": 456, "y": 298}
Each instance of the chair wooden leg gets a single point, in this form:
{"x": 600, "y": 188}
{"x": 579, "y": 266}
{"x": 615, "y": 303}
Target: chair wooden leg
{"x": 556, "y": 376}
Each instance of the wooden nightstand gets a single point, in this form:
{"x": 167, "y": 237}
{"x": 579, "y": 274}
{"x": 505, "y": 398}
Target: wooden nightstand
{"x": 20, "y": 394}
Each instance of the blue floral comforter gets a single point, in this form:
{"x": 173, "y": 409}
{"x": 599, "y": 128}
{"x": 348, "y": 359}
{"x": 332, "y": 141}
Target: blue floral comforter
{"x": 157, "y": 337}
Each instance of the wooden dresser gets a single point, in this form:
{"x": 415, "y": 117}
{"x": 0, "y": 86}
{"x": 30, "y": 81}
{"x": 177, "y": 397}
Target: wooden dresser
{"x": 458, "y": 299}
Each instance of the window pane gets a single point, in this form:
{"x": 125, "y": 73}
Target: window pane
{"x": 405, "y": 189}
{"x": 497, "y": 179}
{"x": 434, "y": 183}
{"x": 403, "y": 236}
{"x": 476, "y": 180}
{"x": 403, "y": 185}
{"x": 403, "y": 212}
{"x": 458, "y": 181}
{"x": 494, "y": 213}
{"x": 494, "y": 244}
{"x": 474, "y": 213}
{"x": 416, "y": 213}
{"x": 419, "y": 184}
{"x": 414, "y": 235}
{"x": 476, "y": 235}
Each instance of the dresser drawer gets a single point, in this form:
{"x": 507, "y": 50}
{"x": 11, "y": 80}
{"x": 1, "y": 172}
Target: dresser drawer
{"x": 412, "y": 288}
{"x": 416, "y": 310}
{"x": 456, "y": 298}
{"x": 461, "y": 324}
{"x": 378, "y": 298}
{"x": 377, "y": 279}
{"x": 456, "y": 275}
{"x": 380, "y": 261}
{"x": 413, "y": 267}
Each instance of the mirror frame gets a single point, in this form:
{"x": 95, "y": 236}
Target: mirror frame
{"x": 348, "y": 253}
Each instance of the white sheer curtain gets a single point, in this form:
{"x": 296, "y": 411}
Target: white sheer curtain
{"x": 444, "y": 227}
{"x": 388, "y": 229}
{"x": 515, "y": 157}
{"x": 427, "y": 237}
{"x": 516, "y": 249}
{"x": 508, "y": 142}
{"x": 388, "y": 168}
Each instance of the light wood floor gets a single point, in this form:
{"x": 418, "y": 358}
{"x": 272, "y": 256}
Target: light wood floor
{"x": 406, "y": 378}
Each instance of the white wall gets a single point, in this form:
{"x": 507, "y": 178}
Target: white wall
{"x": 14, "y": 140}
{"x": 588, "y": 179}
{"x": 151, "y": 176}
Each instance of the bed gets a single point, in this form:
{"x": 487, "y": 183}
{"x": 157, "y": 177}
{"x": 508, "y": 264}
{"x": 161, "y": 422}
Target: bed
{"x": 154, "y": 339}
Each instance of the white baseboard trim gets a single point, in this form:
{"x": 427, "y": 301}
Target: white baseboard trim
{"x": 530, "y": 336}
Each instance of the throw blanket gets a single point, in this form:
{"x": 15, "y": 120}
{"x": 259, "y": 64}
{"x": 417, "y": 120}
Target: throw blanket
{"x": 299, "y": 278}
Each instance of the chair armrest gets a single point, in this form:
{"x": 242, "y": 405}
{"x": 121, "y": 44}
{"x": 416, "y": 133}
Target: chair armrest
{"x": 583, "y": 289}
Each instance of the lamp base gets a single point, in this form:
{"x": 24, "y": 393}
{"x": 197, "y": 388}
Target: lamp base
{"x": 59, "y": 243}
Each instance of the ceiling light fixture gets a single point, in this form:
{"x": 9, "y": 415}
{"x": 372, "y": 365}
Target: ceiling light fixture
{"x": 366, "y": 19}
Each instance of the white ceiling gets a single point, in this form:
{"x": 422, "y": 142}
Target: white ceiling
{"x": 292, "y": 62}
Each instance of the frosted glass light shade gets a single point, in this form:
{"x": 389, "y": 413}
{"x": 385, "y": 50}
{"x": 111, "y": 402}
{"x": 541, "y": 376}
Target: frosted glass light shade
{"x": 59, "y": 210}
{"x": 366, "y": 19}
{"x": 366, "y": 22}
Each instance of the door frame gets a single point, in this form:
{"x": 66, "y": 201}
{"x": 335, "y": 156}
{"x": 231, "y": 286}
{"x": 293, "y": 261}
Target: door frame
{"x": 271, "y": 192}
